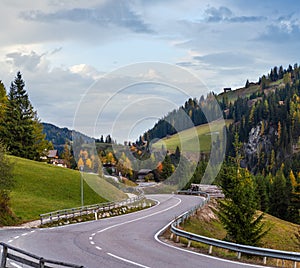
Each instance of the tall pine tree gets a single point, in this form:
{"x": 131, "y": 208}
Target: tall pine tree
{"x": 237, "y": 212}
{"x": 22, "y": 132}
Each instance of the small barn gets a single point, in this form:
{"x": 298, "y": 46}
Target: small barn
{"x": 143, "y": 173}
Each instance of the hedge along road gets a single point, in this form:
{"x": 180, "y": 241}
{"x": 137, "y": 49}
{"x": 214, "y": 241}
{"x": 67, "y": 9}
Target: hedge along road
{"x": 124, "y": 241}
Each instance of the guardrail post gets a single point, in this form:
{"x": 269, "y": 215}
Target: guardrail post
{"x": 177, "y": 238}
{"x": 4, "y": 256}
{"x": 41, "y": 263}
{"x": 295, "y": 264}
{"x": 239, "y": 255}
{"x": 189, "y": 244}
{"x": 210, "y": 249}
{"x": 265, "y": 260}
{"x": 171, "y": 236}
{"x": 96, "y": 216}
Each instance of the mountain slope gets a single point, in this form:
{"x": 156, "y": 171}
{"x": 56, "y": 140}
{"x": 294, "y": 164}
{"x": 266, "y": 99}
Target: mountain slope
{"x": 59, "y": 136}
{"x": 42, "y": 188}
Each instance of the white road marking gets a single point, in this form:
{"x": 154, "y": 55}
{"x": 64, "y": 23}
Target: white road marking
{"x": 196, "y": 253}
{"x": 128, "y": 261}
{"x": 137, "y": 219}
{"x": 92, "y": 242}
{"x": 93, "y": 234}
{"x": 16, "y": 237}
{"x": 24, "y": 234}
{"x": 91, "y": 238}
{"x": 141, "y": 218}
{"x": 10, "y": 240}
{"x": 98, "y": 248}
{"x": 15, "y": 265}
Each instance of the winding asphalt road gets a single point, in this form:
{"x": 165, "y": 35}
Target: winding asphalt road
{"x": 125, "y": 241}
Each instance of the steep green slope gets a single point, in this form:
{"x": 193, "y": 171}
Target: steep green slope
{"x": 186, "y": 136}
{"x": 42, "y": 188}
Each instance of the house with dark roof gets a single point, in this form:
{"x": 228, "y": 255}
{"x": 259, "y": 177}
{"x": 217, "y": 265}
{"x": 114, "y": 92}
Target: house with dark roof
{"x": 143, "y": 173}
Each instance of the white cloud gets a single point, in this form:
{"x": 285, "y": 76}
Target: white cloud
{"x": 85, "y": 71}
{"x": 62, "y": 47}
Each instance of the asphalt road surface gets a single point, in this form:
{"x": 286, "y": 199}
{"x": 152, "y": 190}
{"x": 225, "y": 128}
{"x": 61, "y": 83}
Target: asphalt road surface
{"x": 125, "y": 241}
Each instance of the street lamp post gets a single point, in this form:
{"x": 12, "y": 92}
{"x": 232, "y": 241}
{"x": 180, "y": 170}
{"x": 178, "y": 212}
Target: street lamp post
{"x": 81, "y": 185}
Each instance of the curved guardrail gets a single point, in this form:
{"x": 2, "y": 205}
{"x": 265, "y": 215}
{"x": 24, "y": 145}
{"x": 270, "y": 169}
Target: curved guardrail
{"x": 264, "y": 252}
{"x": 29, "y": 259}
{"x": 79, "y": 211}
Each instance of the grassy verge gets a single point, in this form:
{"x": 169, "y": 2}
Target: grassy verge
{"x": 42, "y": 188}
{"x": 281, "y": 236}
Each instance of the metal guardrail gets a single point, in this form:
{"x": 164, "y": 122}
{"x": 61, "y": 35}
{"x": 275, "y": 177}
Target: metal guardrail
{"x": 79, "y": 211}
{"x": 30, "y": 259}
{"x": 190, "y": 192}
{"x": 264, "y": 252}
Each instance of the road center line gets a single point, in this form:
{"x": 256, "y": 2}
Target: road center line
{"x": 141, "y": 218}
{"x": 125, "y": 260}
{"x": 137, "y": 219}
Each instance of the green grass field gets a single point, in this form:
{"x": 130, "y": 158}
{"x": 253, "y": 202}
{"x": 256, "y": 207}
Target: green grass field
{"x": 247, "y": 92}
{"x": 186, "y": 138}
{"x": 240, "y": 92}
{"x": 281, "y": 235}
{"x": 41, "y": 188}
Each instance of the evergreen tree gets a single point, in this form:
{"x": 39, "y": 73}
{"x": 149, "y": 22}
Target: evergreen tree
{"x": 3, "y": 107}
{"x": 22, "y": 133}
{"x": 279, "y": 196}
{"x": 261, "y": 193}
{"x": 237, "y": 212}
{"x": 167, "y": 168}
{"x": 67, "y": 156}
{"x": 247, "y": 84}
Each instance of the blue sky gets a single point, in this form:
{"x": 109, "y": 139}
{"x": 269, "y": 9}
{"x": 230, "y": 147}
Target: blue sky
{"x": 64, "y": 47}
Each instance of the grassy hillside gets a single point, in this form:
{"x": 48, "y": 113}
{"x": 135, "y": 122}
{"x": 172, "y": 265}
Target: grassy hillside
{"x": 240, "y": 92}
{"x": 281, "y": 235}
{"x": 187, "y": 136}
{"x": 42, "y": 188}
{"x": 247, "y": 92}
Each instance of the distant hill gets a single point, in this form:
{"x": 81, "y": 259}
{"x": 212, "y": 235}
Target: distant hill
{"x": 59, "y": 136}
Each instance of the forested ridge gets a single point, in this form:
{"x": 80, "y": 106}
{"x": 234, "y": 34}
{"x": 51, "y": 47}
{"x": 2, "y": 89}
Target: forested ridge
{"x": 266, "y": 119}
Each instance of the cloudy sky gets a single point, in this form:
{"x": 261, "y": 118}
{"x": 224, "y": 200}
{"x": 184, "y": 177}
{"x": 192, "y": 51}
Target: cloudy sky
{"x": 113, "y": 63}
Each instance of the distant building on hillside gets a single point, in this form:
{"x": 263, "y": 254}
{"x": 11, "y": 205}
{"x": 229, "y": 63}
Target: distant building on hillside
{"x": 227, "y": 89}
{"x": 59, "y": 162}
{"x": 52, "y": 154}
{"x": 143, "y": 173}
{"x": 51, "y": 157}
